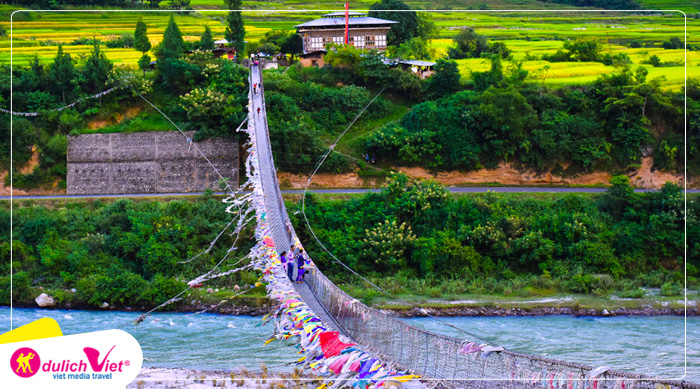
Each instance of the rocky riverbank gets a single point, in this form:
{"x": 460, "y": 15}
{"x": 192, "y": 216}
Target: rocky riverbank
{"x": 449, "y": 311}
{"x": 540, "y": 311}
{"x": 201, "y": 379}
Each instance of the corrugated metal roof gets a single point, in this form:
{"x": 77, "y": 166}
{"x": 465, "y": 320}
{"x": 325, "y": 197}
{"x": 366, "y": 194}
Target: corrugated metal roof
{"x": 414, "y": 62}
{"x": 340, "y": 22}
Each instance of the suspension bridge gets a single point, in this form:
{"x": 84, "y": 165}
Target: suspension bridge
{"x": 354, "y": 345}
{"x": 349, "y": 344}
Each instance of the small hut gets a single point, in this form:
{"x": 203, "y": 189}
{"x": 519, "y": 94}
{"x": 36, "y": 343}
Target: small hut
{"x": 422, "y": 69}
{"x": 221, "y": 49}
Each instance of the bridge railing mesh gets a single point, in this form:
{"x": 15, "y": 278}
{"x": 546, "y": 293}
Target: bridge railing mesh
{"x": 441, "y": 357}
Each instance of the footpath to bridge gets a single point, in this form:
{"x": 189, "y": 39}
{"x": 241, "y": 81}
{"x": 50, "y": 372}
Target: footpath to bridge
{"x": 453, "y": 362}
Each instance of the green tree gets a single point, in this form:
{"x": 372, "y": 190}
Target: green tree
{"x": 426, "y": 27}
{"x": 142, "y": 44}
{"x": 293, "y": 45}
{"x": 235, "y": 29}
{"x": 173, "y": 46}
{"x": 492, "y": 77}
{"x": 619, "y": 195}
{"x": 268, "y": 48}
{"x": 499, "y": 48}
{"x": 505, "y": 119}
{"x": 144, "y": 62}
{"x": 141, "y": 41}
{"x": 576, "y": 51}
{"x": 398, "y": 11}
{"x": 415, "y": 48}
{"x": 468, "y": 44}
{"x": 348, "y": 57}
{"x": 62, "y": 72}
{"x": 206, "y": 42}
{"x": 276, "y": 37}
{"x": 97, "y": 69}
{"x": 446, "y": 79}
{"x": 673, "y": 43}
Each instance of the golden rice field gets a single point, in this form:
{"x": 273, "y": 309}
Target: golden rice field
{"x": 576, "y": 73}
{"x": 40, "y": 36}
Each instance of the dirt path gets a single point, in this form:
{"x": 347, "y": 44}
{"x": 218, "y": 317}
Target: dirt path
{"x": 504, "y": 174}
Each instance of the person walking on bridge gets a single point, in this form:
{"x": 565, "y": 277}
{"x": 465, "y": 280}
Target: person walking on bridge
{"x": 258, "y": 110}
{"x": 283, "y": 259}
{"x": 291, "y": 265}
{"x": 300, "y": 267}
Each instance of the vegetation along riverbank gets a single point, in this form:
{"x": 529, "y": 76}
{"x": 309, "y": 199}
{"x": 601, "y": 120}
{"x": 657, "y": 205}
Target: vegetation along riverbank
{"x": 464, "y": 254}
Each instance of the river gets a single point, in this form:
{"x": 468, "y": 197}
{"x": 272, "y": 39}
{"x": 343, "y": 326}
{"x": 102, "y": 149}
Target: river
{"x": 650, "y": 345}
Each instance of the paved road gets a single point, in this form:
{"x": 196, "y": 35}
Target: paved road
{"x": 471, "y": 189}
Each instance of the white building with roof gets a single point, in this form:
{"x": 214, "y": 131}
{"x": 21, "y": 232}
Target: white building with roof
{"x": 364, "y": 32}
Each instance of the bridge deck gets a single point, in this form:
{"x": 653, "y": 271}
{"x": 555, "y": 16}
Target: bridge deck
{"x": 276, "y": 214}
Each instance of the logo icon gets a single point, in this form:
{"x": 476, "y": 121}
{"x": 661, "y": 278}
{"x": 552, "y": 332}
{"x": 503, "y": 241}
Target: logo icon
{"x": 92, "y": 356}
{"x": 25, "y": 362}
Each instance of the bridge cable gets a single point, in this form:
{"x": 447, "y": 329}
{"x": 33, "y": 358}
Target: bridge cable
{"x": 306, "y": 219}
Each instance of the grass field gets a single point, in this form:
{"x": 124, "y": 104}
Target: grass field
{"x": 38, "y": 33}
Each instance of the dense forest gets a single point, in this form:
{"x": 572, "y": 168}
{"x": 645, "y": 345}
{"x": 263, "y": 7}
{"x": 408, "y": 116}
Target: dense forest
{"x": 123, "y": 252}
{"x": 414, "y": 237}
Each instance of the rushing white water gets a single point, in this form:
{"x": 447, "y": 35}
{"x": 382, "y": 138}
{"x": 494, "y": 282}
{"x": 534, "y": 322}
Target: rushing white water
{"x": 650, "y": 345}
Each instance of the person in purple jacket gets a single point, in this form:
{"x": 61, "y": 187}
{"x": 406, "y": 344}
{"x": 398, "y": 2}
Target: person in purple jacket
{"x": 300, "y": 267}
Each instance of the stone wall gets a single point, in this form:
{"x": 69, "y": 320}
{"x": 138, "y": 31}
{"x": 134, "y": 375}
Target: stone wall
{"x": 147, "y": 162}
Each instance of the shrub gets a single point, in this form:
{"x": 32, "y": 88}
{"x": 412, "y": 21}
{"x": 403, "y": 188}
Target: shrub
{"x": 671, "y": 289}
{"x": 21, "y": 289}
{"x": 160, "y": 289}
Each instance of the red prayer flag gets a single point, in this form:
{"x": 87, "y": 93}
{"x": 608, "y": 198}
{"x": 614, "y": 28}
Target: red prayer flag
{"x": 331, "y": 344}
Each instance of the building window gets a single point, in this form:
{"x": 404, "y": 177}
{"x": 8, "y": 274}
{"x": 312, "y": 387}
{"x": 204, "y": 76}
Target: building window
{"x": 316, "y": 43}
{"x": 380, "y": 40}
{"x": 369, "y": 40}
{"x": 359, "y": 41}
{"x": 338, "y": 40}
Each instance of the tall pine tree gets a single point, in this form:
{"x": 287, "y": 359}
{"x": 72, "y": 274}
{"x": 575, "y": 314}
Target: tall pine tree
{"x": 173, "y": 46}
{"x": 97, "y": 69}
{"x": 142, "y": 44}
{"x": 235, "y": 30}
{"x": 206, "y": 42}
{"x": 62, "y": 72}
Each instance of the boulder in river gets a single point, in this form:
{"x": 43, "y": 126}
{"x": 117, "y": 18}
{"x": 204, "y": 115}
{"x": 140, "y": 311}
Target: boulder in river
{"x": 104, "y": 305}
{"x": 44, "y": 300}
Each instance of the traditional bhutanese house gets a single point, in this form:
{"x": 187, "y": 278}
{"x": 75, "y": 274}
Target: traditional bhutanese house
{"x": 221, "y": 50}
{"x": 363, "y": 33}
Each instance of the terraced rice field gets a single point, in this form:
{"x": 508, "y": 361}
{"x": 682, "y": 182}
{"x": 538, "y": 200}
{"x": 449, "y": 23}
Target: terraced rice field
{"x": 38, "y": 33}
